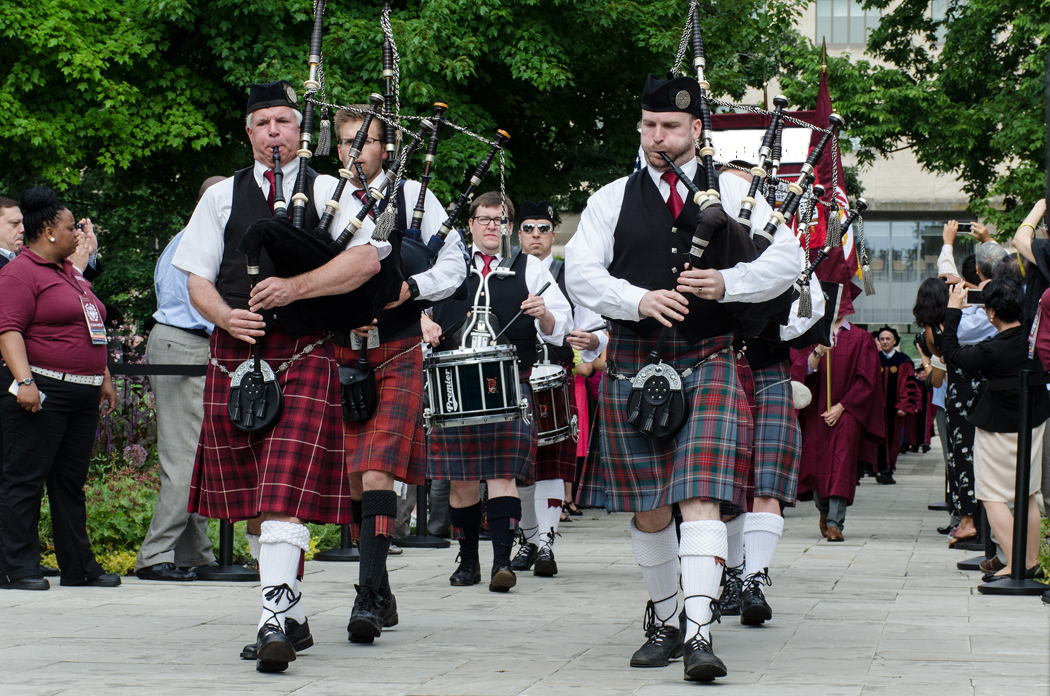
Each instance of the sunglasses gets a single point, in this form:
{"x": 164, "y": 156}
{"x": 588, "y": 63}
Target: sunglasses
{"x": 542, "y": 228}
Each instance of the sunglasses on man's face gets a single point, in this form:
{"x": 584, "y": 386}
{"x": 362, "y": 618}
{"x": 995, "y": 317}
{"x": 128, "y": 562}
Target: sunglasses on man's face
{"x": 542, "y": 228}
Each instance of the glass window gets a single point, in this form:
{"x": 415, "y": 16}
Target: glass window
{"x": 844, "y": 22}
{"x": 938, "y": 13}
{"x": 824, "y": 20}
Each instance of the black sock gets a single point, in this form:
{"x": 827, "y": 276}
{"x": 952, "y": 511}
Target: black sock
{"x": 503, "y": 514}
{"x": 356, "y": 514}
{"x": 378, "y": 509}
{"x": 466, "y": 525}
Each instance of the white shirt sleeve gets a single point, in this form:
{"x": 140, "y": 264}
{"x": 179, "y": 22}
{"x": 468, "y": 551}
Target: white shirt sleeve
{"x": 797, "y": 325}
{"x": 201, "y": 248}
{"x": 449, "y": 270}
{"x": 349, "y": 206}
{"x": 589, "y": 253}
{"x": 584, "y": 320}
{"x": 536, "y": 276}
{"x": 779, "y": 266}
{"x": 946, "y": 261}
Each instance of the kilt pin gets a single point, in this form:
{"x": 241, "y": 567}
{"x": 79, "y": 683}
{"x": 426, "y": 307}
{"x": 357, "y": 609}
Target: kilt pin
{"x": 709, "y": 458}
{"x": 295, "y": 469}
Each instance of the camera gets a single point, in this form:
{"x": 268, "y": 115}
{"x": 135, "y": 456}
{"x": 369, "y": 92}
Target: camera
{"x": 974, "y": 297}
{"x": 965, "y": 227}
{"x": 78, "y": 225}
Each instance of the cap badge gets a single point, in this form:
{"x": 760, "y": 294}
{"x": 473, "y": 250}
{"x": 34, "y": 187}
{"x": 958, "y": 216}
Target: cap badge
{"x": 682, "y": 99}
{"x": 550, "y": 211}
{"x": 290, "y": 93}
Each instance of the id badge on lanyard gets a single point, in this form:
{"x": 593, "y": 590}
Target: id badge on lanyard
{"x": 96, "y": 328}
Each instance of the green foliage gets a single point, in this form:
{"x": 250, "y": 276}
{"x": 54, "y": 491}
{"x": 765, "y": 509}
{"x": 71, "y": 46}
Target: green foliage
{"x": 128, "y": 105}
{"x": 972, "y": 106}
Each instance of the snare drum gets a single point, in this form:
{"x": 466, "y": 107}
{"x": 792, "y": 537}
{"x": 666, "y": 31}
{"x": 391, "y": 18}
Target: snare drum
{"x": 472, "y": 387}
{"x": 552, "y": 404}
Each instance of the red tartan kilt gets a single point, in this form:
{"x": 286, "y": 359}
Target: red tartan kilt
{"x": 295, "y": 469}
{"x": 392, "y": 440}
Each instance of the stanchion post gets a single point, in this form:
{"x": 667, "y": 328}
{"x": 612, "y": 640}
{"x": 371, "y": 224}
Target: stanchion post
{"x": 989, "y": 545}
{"x": 226, "y": 571}
{"x": 345, "y": 552}
{"x": 422, "y": 539}
{"x": 1016, "y": 584}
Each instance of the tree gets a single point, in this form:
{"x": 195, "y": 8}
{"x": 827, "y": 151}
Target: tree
{"x": 127, "y": 105}
{"x": 964, "y": 93}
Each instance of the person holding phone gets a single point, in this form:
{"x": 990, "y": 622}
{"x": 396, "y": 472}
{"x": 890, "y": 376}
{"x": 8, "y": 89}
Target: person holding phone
{"x": 53, "y": 341}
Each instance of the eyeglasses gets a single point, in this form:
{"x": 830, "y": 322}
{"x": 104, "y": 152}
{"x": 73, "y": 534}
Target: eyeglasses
{"x": 350, "y": 141}
{"x": 542, "y": 228}
{"x": 486, "y": 221}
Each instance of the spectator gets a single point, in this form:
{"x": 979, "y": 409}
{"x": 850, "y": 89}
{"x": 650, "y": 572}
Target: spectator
{"x": 52, "y": 335}
{"x": 1037, "y": 252}
{"x": 996, "y": 415}
{"x": 11, "y": 230}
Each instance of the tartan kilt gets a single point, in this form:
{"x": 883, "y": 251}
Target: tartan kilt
{"x": 392, "y": 439}
{"x": 778, "y": 438}
{"x": 558, "y": 461}
{"x": 708, "y": 458}
{"x": 591, "y": 489}
{"x": 295, "y": 469}
{"x": 485, "y": 452}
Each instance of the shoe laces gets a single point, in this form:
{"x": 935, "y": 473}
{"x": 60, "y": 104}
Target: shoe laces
{"x": 698, "y": 642}
{"x": 549, "y": 541}
{"x": 656, "y": 630}
{"x": 276, "y": 594}
{"x": 755, "y": 581}
{"x": 716, "y": 612}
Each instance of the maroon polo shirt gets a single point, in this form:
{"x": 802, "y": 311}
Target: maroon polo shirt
{"x": 43, "y": 304}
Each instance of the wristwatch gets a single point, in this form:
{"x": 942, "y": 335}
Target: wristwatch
{"x": 25, "y": 382}
{"x": 413, "y": 288}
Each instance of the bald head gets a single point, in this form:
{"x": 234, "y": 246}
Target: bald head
{"x": 208, "y": 183}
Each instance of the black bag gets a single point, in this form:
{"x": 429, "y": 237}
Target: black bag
{"x": 657, "y": 406}
{"x": 255, "y": 403}
{"x": 358, "y": 390}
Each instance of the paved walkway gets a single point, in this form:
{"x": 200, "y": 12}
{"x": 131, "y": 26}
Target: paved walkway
{"x": 884, "y": 612}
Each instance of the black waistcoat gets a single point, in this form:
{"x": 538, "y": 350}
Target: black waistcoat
{"x": 250, "y": 205}
{"x": 650, "y": 250}
{"x": 762, "y": 352}
{"x": 559, "y": 355}
{"x": 507, "y": 296}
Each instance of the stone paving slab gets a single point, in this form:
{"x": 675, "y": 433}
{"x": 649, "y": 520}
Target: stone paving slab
{"x": 885, "y": 612}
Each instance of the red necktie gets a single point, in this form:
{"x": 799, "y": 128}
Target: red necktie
{"x": 488, "y": 263}
{"x": 273, "y": 189}
{"x": 674, "y": 201}
{"x": 360, "y": 195}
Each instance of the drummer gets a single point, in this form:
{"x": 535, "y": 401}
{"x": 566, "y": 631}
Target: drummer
{"x": 541, "y": 503}
{"x": 499, "y": 453}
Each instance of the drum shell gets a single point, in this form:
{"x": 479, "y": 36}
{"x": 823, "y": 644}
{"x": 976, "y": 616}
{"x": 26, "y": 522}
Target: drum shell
{"x": 552, "y": 396}
{"x": 472, "y": 387}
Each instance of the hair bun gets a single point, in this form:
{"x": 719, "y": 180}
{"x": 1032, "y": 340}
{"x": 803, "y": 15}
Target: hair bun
{"x": 38, "y": 198}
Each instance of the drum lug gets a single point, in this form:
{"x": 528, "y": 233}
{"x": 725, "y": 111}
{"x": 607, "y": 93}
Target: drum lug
{"x": 427, "y": 425}
{"x": 524, "y": 406}
{"x": 574, "y": 428}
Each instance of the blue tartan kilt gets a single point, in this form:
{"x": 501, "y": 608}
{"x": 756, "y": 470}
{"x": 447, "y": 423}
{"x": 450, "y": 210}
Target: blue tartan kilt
{"x": 778, "y": 439}
{"x": 708, "y": 459}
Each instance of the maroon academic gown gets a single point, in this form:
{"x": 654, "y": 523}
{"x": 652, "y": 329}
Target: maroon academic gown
{"x": 898, "y": 377}
{"x": 829, "y": 454}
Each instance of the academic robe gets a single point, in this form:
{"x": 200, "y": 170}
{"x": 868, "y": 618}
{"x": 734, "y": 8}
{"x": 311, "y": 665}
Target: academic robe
{"x": 898, "y": 394}
{"x": 829, "y": 454}
{"x": 918, "y": 426}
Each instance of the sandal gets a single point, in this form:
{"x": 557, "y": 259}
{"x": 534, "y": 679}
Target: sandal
{"x": 570, "y": 508}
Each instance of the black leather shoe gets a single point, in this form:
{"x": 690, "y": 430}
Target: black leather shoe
{"x": 367, "y": 616}
{"x": 885, "y": 479}
{"x": 663, "y": 641}
{"x": 165, "y": 572}
{"x": 701, "y": 663}
{"x": 104, "y": 580}
{"x": 298, "y": 634}
{"x": 525, "y": 557}
{"x": 26, "y": 584}
{"x": 546, "y": 567}
{"x": 754, "y": 610}
{"x": 468, "y": 573}
{"x": 503, "y": 578}
{"x": 730, "y": 600}
{"x": 273, "y": 649}
{"x": 945, "y": 530}
{"x": 49, "y": 572}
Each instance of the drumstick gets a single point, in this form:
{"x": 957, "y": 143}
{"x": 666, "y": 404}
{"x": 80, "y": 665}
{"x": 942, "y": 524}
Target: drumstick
{"x": 454, "y": 328}
{"x": 520, "y": 312}
{"x": 597, "y": 328}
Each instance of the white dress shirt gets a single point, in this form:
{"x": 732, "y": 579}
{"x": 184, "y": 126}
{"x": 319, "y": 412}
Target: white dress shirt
{"x": 200, "y": 251}
{"x": 584, "y": 319}
{"x": 536, "y": 275}
{"x": 590, "y": 251}
{"x": 7, "y": 254}
{"x": 449, "y": 270}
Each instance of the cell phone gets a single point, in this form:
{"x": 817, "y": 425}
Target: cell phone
{"x": 965, "y": 227}
{"x": 974, "y": 297}
{"x": 14, "y": 390}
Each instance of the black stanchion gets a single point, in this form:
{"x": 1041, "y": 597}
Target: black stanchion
{"x": 1017, "y": 584}
{"x": 226, "y": 571}
{"x": 422, "y": 539}
{"x": 989, "y": 545}
{"x": 939, "y": 506}
{"x": 344, "y": 553}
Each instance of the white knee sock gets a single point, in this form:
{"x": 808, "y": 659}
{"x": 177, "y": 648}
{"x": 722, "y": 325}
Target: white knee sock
{"x": 529, "y": 524}
{"x": 296, "y": 611}
{"x": 762, "y": 531}
{"x": 549, "y": 515}
{"x": 703, "y": 545}
{"x": 657, "y": 554}
{"x": 253, "y": 545}
{"x": 280, "y": 545}
{"x": 735, "y": 539}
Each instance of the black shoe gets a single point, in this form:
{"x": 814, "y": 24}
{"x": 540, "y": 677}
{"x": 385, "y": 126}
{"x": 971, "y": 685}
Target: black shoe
{"x": 730, "y": 599}
{"x": 26, "y": 584}
{"x": 49, "y": 572}
{"x": 945, "y": 530}
{"x": 104, "y": 580}
{"x": 663, "y": 641}
{"x": 546, "y": 567}
{"x": 700, "y": 661}
{"x": 468, "y": 573}
{"x": 273, "y": 649}
{"x": 525, "y": 557}
{"x": 367, "y": 617}
{"x": 165, "y": 572}
{"x": 298, "y": 634}
{"x": 886, "y": 479}
{"x": 503, "y": 578}
{"x": 925, "y": 449}
{"x": 754, "y": 610}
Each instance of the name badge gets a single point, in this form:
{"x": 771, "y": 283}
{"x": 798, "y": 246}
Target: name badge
{"x": 96, "y": 328}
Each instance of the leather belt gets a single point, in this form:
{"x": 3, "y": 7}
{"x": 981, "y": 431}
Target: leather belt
{"x": 91, "y": 380}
